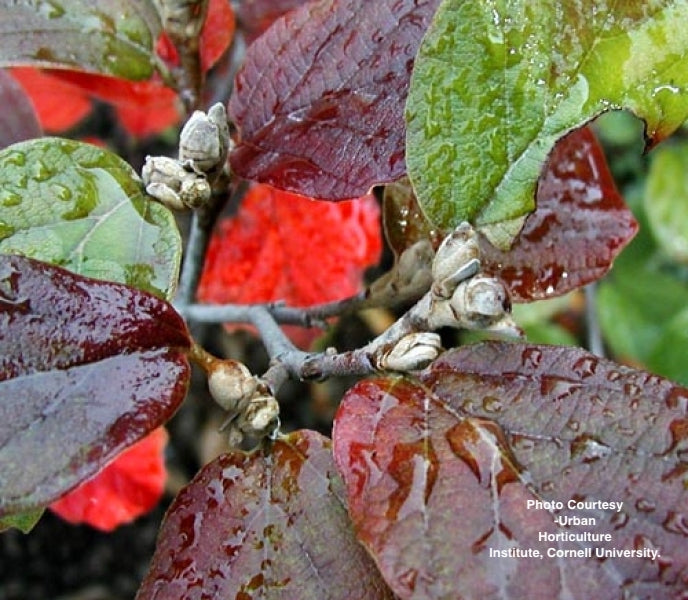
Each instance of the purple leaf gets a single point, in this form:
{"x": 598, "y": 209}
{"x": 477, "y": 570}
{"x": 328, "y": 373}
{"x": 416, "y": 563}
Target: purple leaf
{"x": 444, "y": 476}
{"x": 319, "y": 102}
{"x": 87, "y": 368}
{"x": 579, "y": 225}
{"x": 271, "y": 524}
{"x": 18, "y": 120}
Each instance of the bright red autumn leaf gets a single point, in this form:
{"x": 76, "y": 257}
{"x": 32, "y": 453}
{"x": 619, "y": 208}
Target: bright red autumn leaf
{"x": 62, "y": 97}
{"x": 269, "y": 524}
{"x": 580, "y": 225}
{"x": 59, "y": 105}
{"x": 216, "y": 35}
{"x": 127, "y": 488}
{"x": 87, "y": 368}
{"x": 319, "y": 101}
{"x": 281, "y": 246}
{"x": 444, "y": 472}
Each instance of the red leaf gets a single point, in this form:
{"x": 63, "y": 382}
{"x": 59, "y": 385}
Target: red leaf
{"x": 99, "y": 366}
{"x": 217, "y": 32}
{"x": 581, "y": 223}
{"x": 440, "y": 473}
{"x": 271, "y": 524}
{"x": 127, "y": 488}
{"x": 144, "y": 107}
{"x": 286, "y": 247}
{"x": 59, "y": 105}
{"x": 319, "y": 102}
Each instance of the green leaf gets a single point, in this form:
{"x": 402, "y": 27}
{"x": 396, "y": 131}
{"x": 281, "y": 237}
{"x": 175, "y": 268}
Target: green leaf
{"x": 25, "y": 522}
{"x": 83, "y": 208}
{"x": 635, "y": 307}
{"x": 114, "y": 37}
{"x": 669, "y": 357}
{"x": 666, "y": 200}
{"x": 496, "y": 84}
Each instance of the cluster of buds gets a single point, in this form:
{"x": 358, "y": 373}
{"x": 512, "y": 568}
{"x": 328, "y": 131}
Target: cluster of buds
{"x": 461, "y": 297}
{"x": 185, "y": 182}
{"x": 253, "y": 410}
{"x": 413, "y": 351}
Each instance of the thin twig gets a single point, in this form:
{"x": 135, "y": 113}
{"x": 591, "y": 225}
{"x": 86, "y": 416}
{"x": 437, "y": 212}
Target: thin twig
{"x": 595, "y": 343}
{"x": 193, "y": 263}
{"x": 313, "y": 316}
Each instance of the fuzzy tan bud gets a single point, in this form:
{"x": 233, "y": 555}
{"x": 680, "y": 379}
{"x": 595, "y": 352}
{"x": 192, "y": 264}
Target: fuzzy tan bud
{"x": 229, "y": 382}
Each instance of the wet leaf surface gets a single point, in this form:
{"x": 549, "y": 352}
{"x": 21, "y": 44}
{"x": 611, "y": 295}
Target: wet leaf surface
{"x": 271, "y": 524}
{"x": 82, "y": 207}
{"x": 579, "y": 226}
{"x": 403, "y": 219}
{"x": 18, "y": 120}
{"x": 87, "y": 368}
{"x": 494, "y": 88}
{"x": 319, "y": 101}
{"x": 487, "y": 429}
{"x": 115, "y": 37}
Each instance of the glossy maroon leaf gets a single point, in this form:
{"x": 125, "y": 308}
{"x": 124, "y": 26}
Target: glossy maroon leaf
{"x": 320, "y": 99}
{"x": 403, "y": 219}
{"x": 271, "y": 524}
{"x": 87, "y": 368}
{"x": 579, "y": 226}
{"x": 18, "y": 120}
{"x": 255, "y": 16}
{"x": 440, "y": 473}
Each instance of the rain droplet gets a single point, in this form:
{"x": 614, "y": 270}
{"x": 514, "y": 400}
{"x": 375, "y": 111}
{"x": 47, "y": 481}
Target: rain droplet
{"x": 677, "y": 398}
{"x": 645, "y": 505}
{"x": 547, "y": 486}
{"x": 619, "y": 519}
{"x": 531, "y": 358}
{"x": 10, "y": 199}
{"x": 15, "y": 158}
{"x": 41, "y": 172}
{"x": 492, "y": 404}
{"x": 679, "y": 435}
{"x": 631, "y": 389}
{"x": 613, "y": 375}
{"x": 588, "y": 449}
{"x": 62, "y": 192}
{"x": 521, "y": 442}
{"x": 676, "y": 523}
{"x": 625, "y": 430}
{"x": 640, "y": 542}
{"x": 585, "y": 366}
{"x": 408, "y": 579}
{"x": 6, "y": 230}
